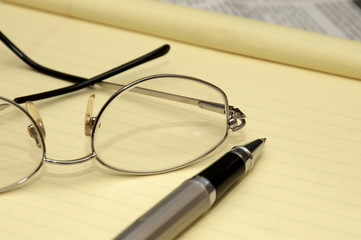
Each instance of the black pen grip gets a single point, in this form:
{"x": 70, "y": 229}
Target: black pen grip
{"x": 224, "y": 172}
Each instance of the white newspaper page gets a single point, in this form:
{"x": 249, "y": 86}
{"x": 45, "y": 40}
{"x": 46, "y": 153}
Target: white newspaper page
{"x": 341, "y": 18}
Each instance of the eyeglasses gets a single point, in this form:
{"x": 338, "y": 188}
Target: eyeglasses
{"x": 153, "y": 125}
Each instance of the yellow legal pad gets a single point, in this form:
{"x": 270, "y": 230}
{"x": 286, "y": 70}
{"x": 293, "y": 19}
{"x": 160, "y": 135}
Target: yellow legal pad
{"x": 304, "y": 97}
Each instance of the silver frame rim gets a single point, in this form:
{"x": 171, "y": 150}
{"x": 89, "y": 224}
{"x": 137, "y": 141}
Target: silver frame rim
{"x": 133, "y": 84}
{"x": 37, "y": 169}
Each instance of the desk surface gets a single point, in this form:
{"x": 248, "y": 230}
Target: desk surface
{"x": 305, "y": 186}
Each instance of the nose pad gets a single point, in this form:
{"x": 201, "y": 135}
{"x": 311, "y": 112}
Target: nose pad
{"x": 30, "y": 107}
{"x": 34, "y": 134}
{"x": 89, "y": 119}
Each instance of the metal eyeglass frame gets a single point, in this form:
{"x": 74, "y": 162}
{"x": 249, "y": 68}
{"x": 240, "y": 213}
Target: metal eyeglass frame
{"x": 233, "y": 116}
{"x": 235, "y": 119}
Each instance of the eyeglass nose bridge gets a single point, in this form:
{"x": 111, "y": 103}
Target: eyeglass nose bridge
{"x": 89, "y": 119}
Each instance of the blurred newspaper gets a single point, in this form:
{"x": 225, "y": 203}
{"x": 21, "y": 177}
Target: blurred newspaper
{"x": 341, "y": 18}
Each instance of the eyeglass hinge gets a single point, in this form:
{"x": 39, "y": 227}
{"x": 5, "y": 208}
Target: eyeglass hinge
{"x": 236, "y": 115}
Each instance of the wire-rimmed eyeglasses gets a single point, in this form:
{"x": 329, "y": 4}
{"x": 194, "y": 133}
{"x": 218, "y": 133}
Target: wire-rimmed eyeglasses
{"x": 152, "y": 125}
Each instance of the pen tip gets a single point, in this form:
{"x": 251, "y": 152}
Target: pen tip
{"x": 263, "y": 139}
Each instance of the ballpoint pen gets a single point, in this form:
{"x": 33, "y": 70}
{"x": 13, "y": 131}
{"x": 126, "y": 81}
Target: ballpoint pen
{"x": 195, "y": 196}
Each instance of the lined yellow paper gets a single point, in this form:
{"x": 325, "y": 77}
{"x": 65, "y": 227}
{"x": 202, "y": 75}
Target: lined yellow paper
{"x": 307, "y": 184}
{"x": 227, "y": 33}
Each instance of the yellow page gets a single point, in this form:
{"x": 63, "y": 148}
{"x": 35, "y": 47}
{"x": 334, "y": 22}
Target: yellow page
{"x": 306, "y": 185}
{"x": 227, "y": 33}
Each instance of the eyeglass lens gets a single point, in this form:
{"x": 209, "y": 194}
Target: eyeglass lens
{"x": 141, "y": 133}
{"x": 21, "y": 147}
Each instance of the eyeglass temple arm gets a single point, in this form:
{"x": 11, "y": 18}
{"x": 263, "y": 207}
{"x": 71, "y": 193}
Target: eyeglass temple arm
{"x": 81, "y": 82}
{"x": 234, "y": 113}
{"x": 35, "y": 65}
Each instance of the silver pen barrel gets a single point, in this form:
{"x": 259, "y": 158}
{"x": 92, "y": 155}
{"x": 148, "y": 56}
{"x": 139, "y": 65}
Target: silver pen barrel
{"x": 195, "y": 196}
{"x": 174, "y": 213}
